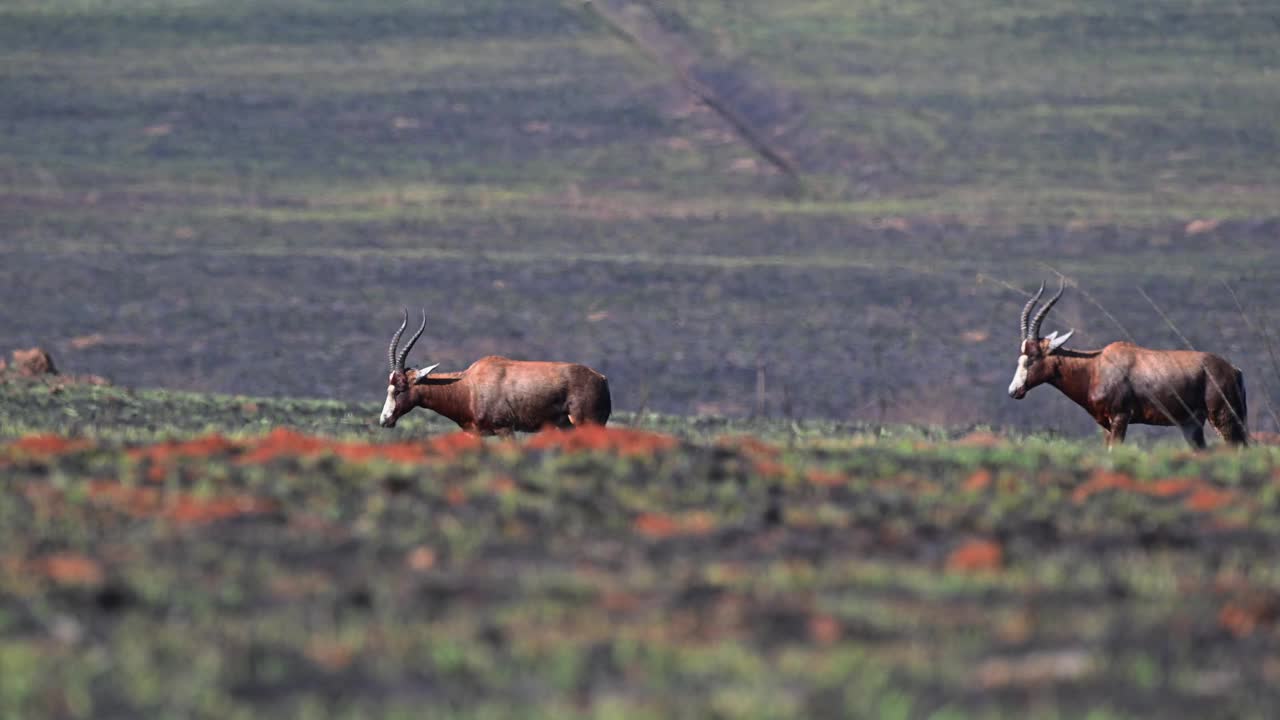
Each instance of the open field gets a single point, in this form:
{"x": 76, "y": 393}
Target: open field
{"x": 816, "y": 499}
{"x": 226, "y": 572}
{"x": 238, "y": 197}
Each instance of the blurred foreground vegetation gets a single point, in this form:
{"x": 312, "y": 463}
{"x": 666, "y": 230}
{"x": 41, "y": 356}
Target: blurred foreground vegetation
{"x": 239, "y": 568}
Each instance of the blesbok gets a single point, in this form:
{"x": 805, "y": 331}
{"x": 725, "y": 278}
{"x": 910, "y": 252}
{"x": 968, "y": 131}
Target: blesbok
{"x": 1124, "y": 384}
{"x": 496, "y": 395}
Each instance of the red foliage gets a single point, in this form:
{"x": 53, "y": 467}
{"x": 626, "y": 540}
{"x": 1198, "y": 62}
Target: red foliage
{"x": 698, "y": 522}
{"x": 1245, "y": 614}
{"x": 825, "y": 630}
{"x": 659, "y": 526}
{"x": 331, "y": 655}
{"x": 48, "y": 445}
{"x": 1201, "y": 496}
{"x": 357, "y": 452}
{"x": 70, "y": 569}
{"x": 976, "y": 556}
{"x": 455, "y": 495}
{"x": 164, "y": 455}
{"x": 455, "y": 444}
{"x": 656, "y": 526}
{"x": 201, "y": 447}
{"x": 1169, "y": 487}
{"x": 770, "y": 468}
{"x": 619, "y": 601}
{"x": 980, "y": 438}
{"x": 979, "y": 480}
{"x": 421, "y": 558}
{"x": 763, "y": 456}
{"x": 176, "y": 506}
{"x": 1101, "y": 481}
{"x": 283, "y": 442}
{"x": 1206, "y": 499}
{"x": 752, "y": 446}
{"x": 186, "y": 508}
{"x": 589, "y": 438}
{"x": 825, "y": 478}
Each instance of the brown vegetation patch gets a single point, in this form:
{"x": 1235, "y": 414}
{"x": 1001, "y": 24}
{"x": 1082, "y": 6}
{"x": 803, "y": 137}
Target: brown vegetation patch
{"x": 296, "y": 586}
{"x": 1035, "y": 669}
{"x": 589, "y": 438}
{"x": 329, "y": 654}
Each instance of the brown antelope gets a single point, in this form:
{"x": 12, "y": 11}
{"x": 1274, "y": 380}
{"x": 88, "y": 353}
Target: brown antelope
{"x": 1123, "y": 383}
{"x": 496, "y": 396}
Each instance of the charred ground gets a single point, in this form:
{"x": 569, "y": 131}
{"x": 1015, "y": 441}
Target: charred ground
{"x": 240, "y": 197}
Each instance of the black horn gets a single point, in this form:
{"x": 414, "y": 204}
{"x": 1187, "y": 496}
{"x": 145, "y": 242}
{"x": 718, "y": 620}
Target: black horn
{"x": 1026, "y": 312}
{"x": 395, "y": 340}
{"x": 1039, "y": 318}
{"x": 404, "y": 354}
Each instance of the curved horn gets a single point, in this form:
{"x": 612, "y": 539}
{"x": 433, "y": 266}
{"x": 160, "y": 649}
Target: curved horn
{"x": 1039, "y": 318}
{"x": 404, "y": 354}
{"x": 1026, "y": 311}
{"x": 395, "y": 340}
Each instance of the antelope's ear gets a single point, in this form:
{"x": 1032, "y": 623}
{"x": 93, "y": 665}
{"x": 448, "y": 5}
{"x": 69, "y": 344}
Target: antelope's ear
{"x": 421, "y": 375}
{"x": 1056, "y": 342}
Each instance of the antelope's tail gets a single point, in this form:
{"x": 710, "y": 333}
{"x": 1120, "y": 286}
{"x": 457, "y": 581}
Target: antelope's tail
{"x": 1244, "y": 404}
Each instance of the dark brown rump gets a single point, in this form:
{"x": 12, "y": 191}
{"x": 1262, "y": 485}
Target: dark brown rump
{"x": 603, "y": 403}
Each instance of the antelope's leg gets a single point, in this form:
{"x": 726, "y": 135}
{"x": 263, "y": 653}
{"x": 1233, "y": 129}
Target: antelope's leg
{"x": 1119, "y": 426}
{"x": 1194, "y": 433}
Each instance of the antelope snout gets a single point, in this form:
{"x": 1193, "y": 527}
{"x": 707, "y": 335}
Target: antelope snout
{"x": 1018, "y": 387}
{"x": 387, "y": 418}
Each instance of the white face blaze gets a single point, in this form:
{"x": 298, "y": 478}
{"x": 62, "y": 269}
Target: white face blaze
{"x": 389, "y": 406}
{"x": 1019, "y": 375}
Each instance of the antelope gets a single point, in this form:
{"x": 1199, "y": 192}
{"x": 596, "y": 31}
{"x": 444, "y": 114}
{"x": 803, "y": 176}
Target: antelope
{"x": 1123, "y": 383}
{"x": 496, "y": 395}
